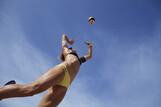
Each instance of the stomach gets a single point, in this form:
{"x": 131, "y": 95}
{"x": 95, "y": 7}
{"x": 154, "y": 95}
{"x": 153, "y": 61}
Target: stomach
{"x": 72, "y": 65}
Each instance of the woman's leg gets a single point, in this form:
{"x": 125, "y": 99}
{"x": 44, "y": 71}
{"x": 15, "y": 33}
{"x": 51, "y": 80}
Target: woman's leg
{"x": 47, "y": 80}
{"x": 53, "y": 97}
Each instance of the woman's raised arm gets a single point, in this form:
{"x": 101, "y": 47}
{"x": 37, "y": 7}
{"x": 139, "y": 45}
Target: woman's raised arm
{"x": 66, "y": 41}
{"x": 89, "y": 54}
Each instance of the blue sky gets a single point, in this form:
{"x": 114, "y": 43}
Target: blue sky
{"x": 125, "y": 69}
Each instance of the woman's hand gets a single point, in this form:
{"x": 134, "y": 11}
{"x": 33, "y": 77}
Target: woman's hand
{"x": 89, "y": 44}
{"x": 71, "y": 42}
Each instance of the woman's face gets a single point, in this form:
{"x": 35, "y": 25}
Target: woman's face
{"x": 68, "y": 50}
{"x": 65, "y": 52}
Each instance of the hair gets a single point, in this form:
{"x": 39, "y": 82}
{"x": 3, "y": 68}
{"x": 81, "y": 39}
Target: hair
{"x": 62, "y": 57}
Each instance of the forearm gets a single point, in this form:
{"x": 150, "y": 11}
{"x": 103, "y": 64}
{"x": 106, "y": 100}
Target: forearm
{"x": 65, "y": 38}
{"x": 89, "y": 54}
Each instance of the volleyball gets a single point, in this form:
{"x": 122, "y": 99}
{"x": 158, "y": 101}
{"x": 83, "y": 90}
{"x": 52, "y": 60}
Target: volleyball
{"x": 91, "y": 20}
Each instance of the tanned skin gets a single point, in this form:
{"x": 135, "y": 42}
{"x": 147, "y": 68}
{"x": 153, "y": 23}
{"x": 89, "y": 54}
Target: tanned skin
{"x": 49, "y": 80}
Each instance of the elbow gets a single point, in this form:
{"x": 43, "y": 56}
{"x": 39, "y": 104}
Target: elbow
{"x": 88, "y": 57}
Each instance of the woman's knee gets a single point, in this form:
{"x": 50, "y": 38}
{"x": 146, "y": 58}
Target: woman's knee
{"x": 50, "y": 97}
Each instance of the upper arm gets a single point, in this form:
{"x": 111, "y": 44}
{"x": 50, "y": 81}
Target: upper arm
{"x": 82, "y": 59}
{"x": 89, "y": 54}
{"x": 87, "y": 57}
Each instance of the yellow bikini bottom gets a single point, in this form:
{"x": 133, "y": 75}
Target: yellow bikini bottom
{"x": 65, "y": 82}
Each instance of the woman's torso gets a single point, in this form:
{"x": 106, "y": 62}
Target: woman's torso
{"x": 72, "y": 64}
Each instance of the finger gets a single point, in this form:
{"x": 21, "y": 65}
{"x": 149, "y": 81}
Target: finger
{"x": 87, "y": 43}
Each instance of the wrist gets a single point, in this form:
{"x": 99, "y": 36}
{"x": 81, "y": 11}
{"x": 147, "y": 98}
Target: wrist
{"x": 90, "y": 46}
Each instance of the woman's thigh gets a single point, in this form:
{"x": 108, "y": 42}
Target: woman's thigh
{"x": 53, "y": 97}
{"x": 49, "y": 79}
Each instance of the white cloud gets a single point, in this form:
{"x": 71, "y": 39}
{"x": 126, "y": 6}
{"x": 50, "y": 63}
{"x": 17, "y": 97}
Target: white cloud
{"x": 19, "y": 59}
{"x": 78, "y": 96}
{"x": 133, "y": 73}
{"x": 24, "y": 63}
